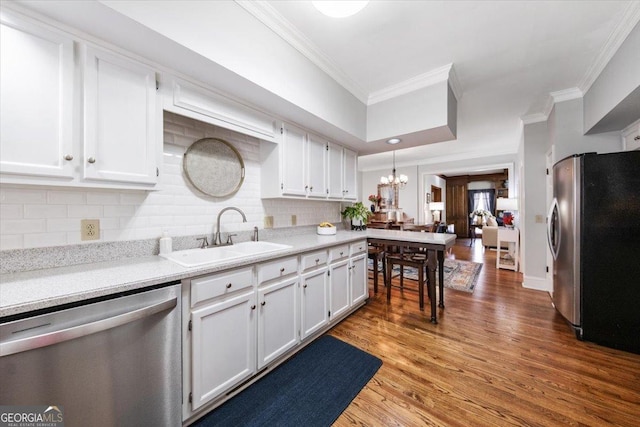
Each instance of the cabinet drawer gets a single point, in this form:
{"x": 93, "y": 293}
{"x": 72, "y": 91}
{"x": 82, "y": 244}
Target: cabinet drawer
{"x": 275, "y": 269}
{"x": 339, "y": 252}
{"x": 313, "y": 259}
{"x": 358, "y": 247}
{"x": 204, "y": 288}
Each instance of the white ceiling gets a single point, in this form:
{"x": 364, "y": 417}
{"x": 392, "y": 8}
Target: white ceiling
{"x": 508, "y": 57}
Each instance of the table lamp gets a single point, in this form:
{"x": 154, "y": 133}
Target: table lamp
{"x": 436, "y": 208}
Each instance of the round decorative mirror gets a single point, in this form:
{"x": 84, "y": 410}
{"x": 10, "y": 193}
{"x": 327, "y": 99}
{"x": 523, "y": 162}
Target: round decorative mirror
{"x": 214, "y": 167}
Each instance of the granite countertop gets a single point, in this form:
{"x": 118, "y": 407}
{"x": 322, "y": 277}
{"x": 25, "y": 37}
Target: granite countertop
{"x": 40, "y": 289}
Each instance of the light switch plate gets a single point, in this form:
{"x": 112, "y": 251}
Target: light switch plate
{"x": 294, "y": 220}
{"x": 268, "y": 222}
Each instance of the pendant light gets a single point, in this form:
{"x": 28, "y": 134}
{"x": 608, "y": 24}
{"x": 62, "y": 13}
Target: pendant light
{"x": 396, "y": 180}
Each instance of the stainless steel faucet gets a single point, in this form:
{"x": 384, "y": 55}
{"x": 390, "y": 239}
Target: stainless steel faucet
{"x": 217, "y": 241}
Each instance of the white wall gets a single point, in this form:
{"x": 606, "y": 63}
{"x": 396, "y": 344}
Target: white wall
{"x": 564, "y": 132}
{"x": 617, "y": 81}
{"x": 50, "y": 216}
{"x": 408, "y": 198}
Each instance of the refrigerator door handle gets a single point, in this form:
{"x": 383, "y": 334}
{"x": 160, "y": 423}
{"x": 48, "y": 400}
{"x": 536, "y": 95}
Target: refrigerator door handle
{"x": 553, "y": 230}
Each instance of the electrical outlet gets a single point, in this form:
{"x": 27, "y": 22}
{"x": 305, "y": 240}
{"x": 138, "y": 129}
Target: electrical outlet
{"x": 268, "y": 222}
{"x": 294, "y": 220}
{"x": 90, "y": 229}
{"x": 539, "y": 219}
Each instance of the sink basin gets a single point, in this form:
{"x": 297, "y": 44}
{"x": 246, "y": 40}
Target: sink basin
{"x": 198, "y": 257}
{"x": 252, "y": 248}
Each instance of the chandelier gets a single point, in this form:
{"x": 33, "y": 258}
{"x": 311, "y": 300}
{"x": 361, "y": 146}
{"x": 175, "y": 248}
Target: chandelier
{"x": 393, "y": 179}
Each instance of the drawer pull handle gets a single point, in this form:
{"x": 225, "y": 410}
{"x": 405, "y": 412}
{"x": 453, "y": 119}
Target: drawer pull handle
{"x": 341, "y": 253}
{"x": 317, "y": 260}
{"x": 228, "y": 285}
{"x": 91, "y": 160}
{"x": 282, "y": 270}
{"x": 68, "y": 157}
{"x": 263, "y": 303}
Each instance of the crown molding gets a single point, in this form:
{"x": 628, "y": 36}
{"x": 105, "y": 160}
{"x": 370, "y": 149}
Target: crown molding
{"x": 566, "y": 95}
{"x": 534, "y": 118}
{"x": 629, "y": 20}
{"x": 273, "y": 20}
{"x": 418, "y": 82}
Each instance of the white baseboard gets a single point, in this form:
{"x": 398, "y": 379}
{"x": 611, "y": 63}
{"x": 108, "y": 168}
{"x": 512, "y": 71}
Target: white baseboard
{"x": 537, "y": 283}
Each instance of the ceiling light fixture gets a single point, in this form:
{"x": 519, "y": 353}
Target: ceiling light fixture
{"x": 393, "y": 141}
{"x": 339, "y": 9}
{"x": 396, "y": 180}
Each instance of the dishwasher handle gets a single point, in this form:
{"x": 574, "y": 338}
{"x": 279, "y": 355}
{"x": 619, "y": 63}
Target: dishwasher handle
{"x": 51, "y": 338}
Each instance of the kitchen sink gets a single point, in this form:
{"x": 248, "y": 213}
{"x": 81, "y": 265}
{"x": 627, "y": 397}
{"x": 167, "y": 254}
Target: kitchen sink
{"x": 216, "y": 254}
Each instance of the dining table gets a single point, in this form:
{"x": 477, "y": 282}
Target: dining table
{"x": 435, "y": 244}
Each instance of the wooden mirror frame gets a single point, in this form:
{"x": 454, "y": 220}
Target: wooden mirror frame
{"x": 389, "y": 196}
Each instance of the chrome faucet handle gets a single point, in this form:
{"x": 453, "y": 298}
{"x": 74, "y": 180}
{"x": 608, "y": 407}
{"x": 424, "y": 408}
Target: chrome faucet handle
{"x": 229, "y": 241}
{"x": 205, "y": 242}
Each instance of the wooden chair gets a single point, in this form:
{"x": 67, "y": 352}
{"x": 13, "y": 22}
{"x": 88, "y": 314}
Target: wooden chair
{"x": 377, "y": 253}
{"x": 417, "y": 260}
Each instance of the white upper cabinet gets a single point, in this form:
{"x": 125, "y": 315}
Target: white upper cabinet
{"x": 342, "y": 172}
{"x": 293, "y": 163}
{"x": 69, "y": 120}
{"x": 187, "y": 99}
{"x": 121, "y": 115}
{"x": 305, "y": 165}
{"x": 36, "y": 94}
{"x": 349, "y": 173}
{"x": 316, "y": 170}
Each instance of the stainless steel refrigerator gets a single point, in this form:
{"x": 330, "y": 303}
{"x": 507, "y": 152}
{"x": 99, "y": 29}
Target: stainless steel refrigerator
{"x": 594, "y": 236}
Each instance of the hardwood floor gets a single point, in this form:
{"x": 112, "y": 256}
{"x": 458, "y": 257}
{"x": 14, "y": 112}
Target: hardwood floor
{"x": 500, "y": 356}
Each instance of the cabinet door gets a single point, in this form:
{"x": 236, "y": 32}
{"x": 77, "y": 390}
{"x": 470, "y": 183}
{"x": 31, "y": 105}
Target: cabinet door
{"x": 350, "y": 172}
{"x": 223, "y": 346}
{"x": 339, "y": 288}
{"x": 293, "y": 161}
{"x": 358, "y": 277}
{"x": 36, "y": 100}
{"x": 334, "y": 171}
{"x": 277, "y": 320}
{"x": 314, "y": 301}
{"x": 122, "y": 128}
{"x": 316, "y": 166}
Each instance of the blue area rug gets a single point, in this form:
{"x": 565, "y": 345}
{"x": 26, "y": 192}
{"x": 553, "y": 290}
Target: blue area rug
{"x": 310, "y": 389}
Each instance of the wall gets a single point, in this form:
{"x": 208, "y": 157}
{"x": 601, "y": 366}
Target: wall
{"x": 34, "y": 217}
{"x": 563, "y": 131}
{"x": 408, "y": 198}
{"x": 617, "y": 82}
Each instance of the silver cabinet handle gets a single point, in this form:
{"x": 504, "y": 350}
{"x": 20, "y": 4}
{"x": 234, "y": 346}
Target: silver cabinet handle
{"x": 68, "y": 157}
{"x": 91, "y": 160}
{"x": 44, "y": 340}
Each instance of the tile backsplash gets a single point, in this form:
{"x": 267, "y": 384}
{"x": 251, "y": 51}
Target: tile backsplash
{"x": 33, "y": 217}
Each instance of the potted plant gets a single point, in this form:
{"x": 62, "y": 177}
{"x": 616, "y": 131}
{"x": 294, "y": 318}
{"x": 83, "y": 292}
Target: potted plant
{"x": 358, "y": 214}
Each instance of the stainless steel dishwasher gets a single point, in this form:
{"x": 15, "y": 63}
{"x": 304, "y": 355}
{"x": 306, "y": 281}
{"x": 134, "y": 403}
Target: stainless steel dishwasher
{"x": 114, "y": 362}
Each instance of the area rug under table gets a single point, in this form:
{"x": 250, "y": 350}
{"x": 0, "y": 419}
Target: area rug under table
{"x": 310, "y": 389}
{"x": 458, "y": 275}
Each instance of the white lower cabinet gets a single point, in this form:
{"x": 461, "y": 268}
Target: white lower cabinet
{"x": 239, "y": 321}
{"x": 358, "y": 279}
{"x": 277, "y": 320}
{"x": 223, "y": 342}
{"x": 314, "y": 298}
{"x": 339, "y": 285}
